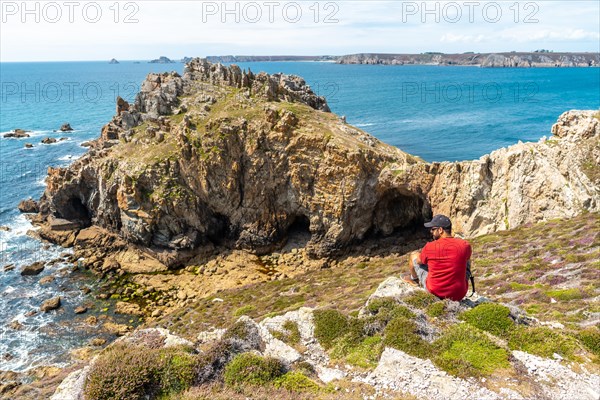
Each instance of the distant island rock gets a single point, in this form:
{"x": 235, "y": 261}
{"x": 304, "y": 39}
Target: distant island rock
{"x": 233, "y": 59}
{"x": 17, "y": 133}
{"x": 486, "y": 60}
{"x": 186, "y": 59}
{"x": 66, "y": 127}
{"x": 162, "y": 60}
{"x": 113, "y": 61}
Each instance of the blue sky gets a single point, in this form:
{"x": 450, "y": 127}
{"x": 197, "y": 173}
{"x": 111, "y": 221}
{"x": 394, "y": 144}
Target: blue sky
{"x": 85, "y": 30}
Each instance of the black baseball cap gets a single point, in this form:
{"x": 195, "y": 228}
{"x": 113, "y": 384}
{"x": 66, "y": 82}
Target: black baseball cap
{"x": 439, "y": 221}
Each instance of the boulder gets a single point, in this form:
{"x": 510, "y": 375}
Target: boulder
{"x": 47, "y": 279}
{"x": 28, "y": 206}
{"x": 28, "y": 145}
{"x": 66, "y": 127}
{"x": 80, "y": 309}
{"x": 49, "y": 140}
{"x": 50, "y": 304}
{"x": 33, "y": 269}
{"x": 4, "y": 228}
{"x": 17, "y": 133}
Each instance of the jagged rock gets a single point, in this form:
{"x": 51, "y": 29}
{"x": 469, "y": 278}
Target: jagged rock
{"x": 48, "y": 140}
{"x": 4, "y": 228}
{"x": 8, "y": 267}
{"x": 28, "y": 206}
{"x": 117, "y": 329}
{"x": 28, "y": 145}
{"x": 526, "y": 182}
{"x": 16, "y": 325}
{"x": 33, "y": 269}
{"x": 80, "y": 310}
{"x": 50, "y": 304}
{"x": 123, "y": 307}
{"x": 17, "y": 133}
{"x": 47, "y": 279}
{"x": 328, "y": 179}
{"x": 66, "y": 127}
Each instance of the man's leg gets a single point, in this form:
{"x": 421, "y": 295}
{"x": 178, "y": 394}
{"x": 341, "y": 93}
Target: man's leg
{"x": 418, "y": 272}
{"x": 412, "y": 261}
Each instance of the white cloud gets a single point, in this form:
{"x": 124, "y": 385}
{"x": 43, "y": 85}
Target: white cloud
{"x": 178, "y": 28}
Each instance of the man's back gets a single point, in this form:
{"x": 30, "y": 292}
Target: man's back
{"x": 446, "y": 259}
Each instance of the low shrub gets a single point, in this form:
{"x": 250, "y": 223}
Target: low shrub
{"x": 366, "y": 354}
{"x": 329, "y": 325}
{"x": 249, "y": 368}
{"x": 420, "y": 299}
{"x": 541, "y": 341}
{"x": 436, "y": 309}
{"x": 382, "y": 311}
{"x": 291, "y": 333}
{"x": 490, "y": 317}
{"x": 403, "y": 334}
{"x": 125, "y": 372}
{"x": 295, "y": 381}
{"x": 591, "y": 340}
{"x": 244, "y": 310}
{"x": 466, "y": 351}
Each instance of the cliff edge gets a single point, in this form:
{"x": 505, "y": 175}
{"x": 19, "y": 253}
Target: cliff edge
{"x": 230, "y": 158}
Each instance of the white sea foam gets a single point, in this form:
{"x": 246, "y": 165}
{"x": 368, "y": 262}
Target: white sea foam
{"x": 363, "y": 125}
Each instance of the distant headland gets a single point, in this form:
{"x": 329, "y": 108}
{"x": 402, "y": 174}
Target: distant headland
{"x": 540, "y": 58}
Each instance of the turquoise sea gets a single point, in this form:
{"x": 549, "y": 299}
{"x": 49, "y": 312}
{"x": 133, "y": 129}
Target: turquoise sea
{"x": 438, "y": 113}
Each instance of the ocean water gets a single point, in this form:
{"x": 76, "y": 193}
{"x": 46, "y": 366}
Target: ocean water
{"x": 438, "y": 113}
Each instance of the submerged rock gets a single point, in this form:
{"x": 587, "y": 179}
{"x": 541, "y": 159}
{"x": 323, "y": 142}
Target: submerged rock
{"x": 48, "y": 140}
{"x": 17, "y": 133}
{"x": 50, "y": 304}
{"x": 33, "y": 269}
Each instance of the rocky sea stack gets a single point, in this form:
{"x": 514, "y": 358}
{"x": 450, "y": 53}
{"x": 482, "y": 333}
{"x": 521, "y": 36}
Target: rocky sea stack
{"x": 230, "y": 158}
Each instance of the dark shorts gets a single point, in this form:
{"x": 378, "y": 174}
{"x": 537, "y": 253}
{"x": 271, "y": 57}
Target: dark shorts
{"x": 422, "y": 271}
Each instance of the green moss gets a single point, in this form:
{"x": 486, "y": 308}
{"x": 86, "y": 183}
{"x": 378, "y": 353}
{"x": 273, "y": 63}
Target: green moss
{"x": 329, "y": 325}
{"x": 366, "y": 354}
{"x": 421, "y": 299}
{"x": 566, "y": 294}
{"x": 291, "y": 333}
{"x": 490, "y": 317}
{"x": 249, "y": 368}
{"x": 591, "y": 340}
{"x": 295, "y": 381}
{"x": 541, "y": 341}
{"x": 465, "y": 351}
{"x": 436, "y": 309}
{"x": 519, "y": 286}
{"x": 244, "y": 310}
{"x": 403, "y": 334}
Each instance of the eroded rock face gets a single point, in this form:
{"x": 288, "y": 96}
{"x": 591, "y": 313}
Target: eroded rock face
{"x": 524, "y": 183}
{"x": 225, "y": 157}
{"x": 246, "y": 160}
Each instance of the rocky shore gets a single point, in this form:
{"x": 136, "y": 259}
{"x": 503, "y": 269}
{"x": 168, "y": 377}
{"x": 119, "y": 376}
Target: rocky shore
{"x": 222, "y": 179}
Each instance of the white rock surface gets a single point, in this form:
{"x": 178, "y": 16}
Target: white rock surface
{"x": 399, "y": 371}
{"x": 71, "y": 388}
{"x": 559, "y": 381}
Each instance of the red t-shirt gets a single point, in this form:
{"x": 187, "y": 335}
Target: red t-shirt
{"x": 446, "y": 259}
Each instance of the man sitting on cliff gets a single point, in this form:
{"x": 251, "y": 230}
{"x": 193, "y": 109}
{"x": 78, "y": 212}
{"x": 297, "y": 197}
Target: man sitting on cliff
{"x": 441, "y": 267}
